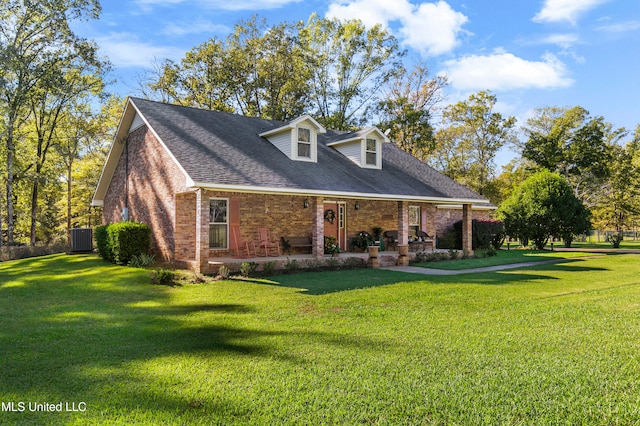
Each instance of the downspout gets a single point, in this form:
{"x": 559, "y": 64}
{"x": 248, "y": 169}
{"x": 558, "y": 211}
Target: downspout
{"x": 125, "y": 210}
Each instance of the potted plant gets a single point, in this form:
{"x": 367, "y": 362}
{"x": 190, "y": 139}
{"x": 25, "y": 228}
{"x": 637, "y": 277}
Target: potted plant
{"x": 361, "y": 241}
{"x": 331, "y": 246}
{"x": 377, "y": 233}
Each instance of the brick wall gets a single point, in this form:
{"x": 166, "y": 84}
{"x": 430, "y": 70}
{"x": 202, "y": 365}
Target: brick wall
{"x": 153, "y": 179}
{"x": 285, "y": 215}
{"x": 157, "y": 196}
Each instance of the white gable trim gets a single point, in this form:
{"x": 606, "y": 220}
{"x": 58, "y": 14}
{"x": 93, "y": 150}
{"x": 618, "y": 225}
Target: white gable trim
{"x": 292, "y": 125}
{"x": 362, "y": 135}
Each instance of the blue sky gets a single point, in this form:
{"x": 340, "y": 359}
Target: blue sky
{"x": 529, "y": 53}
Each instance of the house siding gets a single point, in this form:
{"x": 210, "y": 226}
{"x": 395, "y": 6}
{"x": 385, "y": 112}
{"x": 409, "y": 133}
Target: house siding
{"x": 352, "y": 150}
{"x": 149, "y": 190}
{"x": 283, "y": 142}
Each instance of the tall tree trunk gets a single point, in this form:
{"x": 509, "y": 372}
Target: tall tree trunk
{"x": 10, "y": 153}
{"x": 34, "y": 211}
{"x": 69, "y": 171}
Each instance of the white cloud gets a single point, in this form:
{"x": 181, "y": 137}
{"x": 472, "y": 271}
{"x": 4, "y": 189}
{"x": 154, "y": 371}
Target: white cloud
{"x": 505, "y": 71}
{"x": 199, "y": 26}
{"x": 565, "y": 10}
{"x": 433, "y": 28}
{"x": 621, "y": 27}
{"x": 430, "y": 28}
{"x": 370, "y": 12}
{"x": 125, "y": 51}
{"x": 565, "y": 41}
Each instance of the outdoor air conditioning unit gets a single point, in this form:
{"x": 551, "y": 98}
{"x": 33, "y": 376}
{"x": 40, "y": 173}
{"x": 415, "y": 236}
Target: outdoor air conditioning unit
{"x": 81, "y": 240}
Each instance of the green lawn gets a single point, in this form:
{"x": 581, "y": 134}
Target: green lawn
{"x": 503, "y": 257}
{"x": 550, "y": 344}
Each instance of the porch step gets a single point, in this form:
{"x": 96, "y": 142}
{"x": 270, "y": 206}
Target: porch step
{"x": 388, "y": 260}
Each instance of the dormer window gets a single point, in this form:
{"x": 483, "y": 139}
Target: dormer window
{"x": 304, "y": 142}
{"x": 363, "y": 147}
{"x": 371, "y": 152}
{"x": 297, "y": 139}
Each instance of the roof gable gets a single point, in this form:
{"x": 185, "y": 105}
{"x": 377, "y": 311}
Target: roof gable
{"x": 228, "y": 151}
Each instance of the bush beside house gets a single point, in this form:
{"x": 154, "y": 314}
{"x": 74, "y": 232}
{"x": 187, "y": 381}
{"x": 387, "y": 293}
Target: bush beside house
{"x": 120, "y": 242}
{"x": 486, "y": 234}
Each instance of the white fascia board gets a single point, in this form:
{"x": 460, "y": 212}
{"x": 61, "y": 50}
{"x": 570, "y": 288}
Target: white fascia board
{"x": 361, "y": 136}
{"x": 482, "y": 206}
{"x": 342, "y": 194}
{"x": 111, "y": 162}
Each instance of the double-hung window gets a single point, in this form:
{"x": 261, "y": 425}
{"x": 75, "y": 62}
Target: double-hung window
{"x": 414, "y": 219}
{"x": 371, "y": 152}
{"x": 218, "y": 223}
{"x": 304, "y": 142}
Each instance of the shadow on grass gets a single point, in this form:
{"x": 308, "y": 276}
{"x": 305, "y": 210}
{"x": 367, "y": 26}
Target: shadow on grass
{"x": 77, "y": 330}
{"x": 319, "y": 283}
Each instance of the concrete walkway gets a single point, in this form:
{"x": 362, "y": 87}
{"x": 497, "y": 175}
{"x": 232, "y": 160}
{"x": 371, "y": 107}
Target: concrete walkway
{"x": 432, "y": 271}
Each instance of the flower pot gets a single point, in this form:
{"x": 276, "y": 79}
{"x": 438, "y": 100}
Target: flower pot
{"x": 373, "y": 251}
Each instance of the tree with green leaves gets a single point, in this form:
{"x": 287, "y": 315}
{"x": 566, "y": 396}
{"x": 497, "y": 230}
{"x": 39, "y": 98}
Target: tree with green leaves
{"x": 617, "y": 201}
{"x": 73, "y": 81}
{"x": 349, "y": 64}
{"x": 83, "y": 141}
{"x": 330, "y": 68}
{"x": 34, "y": 36}
{"x": 471, "y": 135}
{"x": 267, "y": 70}
{"x": 570, "y": 142}
{"x": 543, "y": 206}
{"x": 407, "y": 109}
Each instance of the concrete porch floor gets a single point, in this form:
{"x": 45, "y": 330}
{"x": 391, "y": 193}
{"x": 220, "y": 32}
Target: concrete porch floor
{"x": 387, "y": 258}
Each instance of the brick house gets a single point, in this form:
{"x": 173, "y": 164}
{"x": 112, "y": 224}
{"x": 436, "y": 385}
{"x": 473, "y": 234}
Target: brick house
{"x": 206, "y": 181}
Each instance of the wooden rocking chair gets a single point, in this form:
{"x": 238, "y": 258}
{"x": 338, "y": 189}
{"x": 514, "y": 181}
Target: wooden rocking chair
{"x": 243, "y": 249}
{"x": 270, "y": 247}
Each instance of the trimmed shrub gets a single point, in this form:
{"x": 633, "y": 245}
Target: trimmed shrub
{"x": 102, "y": 242}
{"x": 120, "y": 242}
{"x": 21, "y": 251}
{"x": 486, "y": 233}
{"x": 163, "y": 277}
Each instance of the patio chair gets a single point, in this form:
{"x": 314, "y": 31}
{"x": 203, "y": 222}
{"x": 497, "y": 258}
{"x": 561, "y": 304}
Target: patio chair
{"x": 266, "y": 244}
{"x": 242, "y": 248}
{"x": 391, "y": 240}
{"x": 422, "y": 240}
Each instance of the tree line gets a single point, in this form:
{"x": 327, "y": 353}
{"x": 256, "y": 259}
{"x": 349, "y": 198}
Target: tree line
{"x": 57, "y": 122}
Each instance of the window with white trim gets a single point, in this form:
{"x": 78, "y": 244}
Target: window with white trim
{"x": 304, "y": 142}
{"x": 218, "y": 223}
{"x": 371, "y": 152}
{"x": 414, "y": 219}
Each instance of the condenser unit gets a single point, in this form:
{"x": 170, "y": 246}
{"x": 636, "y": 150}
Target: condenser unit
{"x": 81, "y": 240}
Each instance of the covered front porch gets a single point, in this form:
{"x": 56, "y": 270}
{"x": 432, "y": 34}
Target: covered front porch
{"x": 226, "y": 222}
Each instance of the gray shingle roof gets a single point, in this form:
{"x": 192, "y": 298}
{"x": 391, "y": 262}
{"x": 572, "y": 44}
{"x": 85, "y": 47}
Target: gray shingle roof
{"x": 225, "y": 149}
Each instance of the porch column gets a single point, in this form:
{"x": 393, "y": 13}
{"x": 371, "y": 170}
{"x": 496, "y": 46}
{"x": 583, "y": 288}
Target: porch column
{"x": 467, "y": 228}
{"x": 403, "y": 223}
{"x": 317, "y": 221}
{"x": 202, "y": 232}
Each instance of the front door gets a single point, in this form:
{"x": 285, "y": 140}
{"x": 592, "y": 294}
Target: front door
{"x": 335, "y": 222}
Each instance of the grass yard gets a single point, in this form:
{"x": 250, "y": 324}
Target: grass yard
{"x": 550, "y": 344}
{"x": 504, "y": 257}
